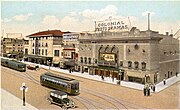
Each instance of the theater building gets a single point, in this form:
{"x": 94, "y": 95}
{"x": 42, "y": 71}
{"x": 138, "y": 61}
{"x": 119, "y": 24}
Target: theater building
{"x": 132, "y": 55}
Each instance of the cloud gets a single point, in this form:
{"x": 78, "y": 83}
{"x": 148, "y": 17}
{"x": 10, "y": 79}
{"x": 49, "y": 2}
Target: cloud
{"x": 109, "y": 10}
{"x": 146, "y": 13}
{"x": 22, "y": 17}
{"x": 6, "y": 20}
{"x": 50, "y": 21}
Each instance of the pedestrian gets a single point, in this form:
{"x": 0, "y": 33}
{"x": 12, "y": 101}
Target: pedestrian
{"x": 102, "y": 77}
{"x": 144, "y": 91}
{"x": 176, "y": 74}
{"x": 148, "y": 91}
{"x": 154, "y": 88}
{"x": 70, "y": 70}
{"x": 164, "y": 81}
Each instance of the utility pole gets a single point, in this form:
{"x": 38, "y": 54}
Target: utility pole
{"x": 148, "y": 21}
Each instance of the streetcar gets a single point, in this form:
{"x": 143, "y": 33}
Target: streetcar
{"x": 13, "y": 64}
{"x": 61, "y": 98}
{"x": 61, "y": 83}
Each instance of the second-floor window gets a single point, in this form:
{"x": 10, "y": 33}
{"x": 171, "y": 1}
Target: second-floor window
{"x": 129, "y": 64}
{"x": 42, "y": 51}
{"x": 143, "y": 65}
{"x": 85, "y": 60}
{"x": 56, "y": 52}
{"x": 81, "y": 59}
{"x": 136, "y": 64}
{"x": 46, "y": 44}
{"x": 89, "y": 60}
{"x": 46, "y": 52}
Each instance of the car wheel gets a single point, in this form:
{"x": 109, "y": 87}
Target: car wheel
{"x": 50, "y": 100}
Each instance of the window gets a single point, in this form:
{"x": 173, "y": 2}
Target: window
{"x": 42, "y": 51}
{"x": 143, "y": 65}
{"x": 33, "y": 44}
{"x": 46, "y": 52}
{"x": 136, "y": 64}
{"x": 46, "y": 37}
{"x": 95, "y": 60}
{"x": 46, "y": 44}
{"x": 42, "y": 44}
{"x": 121, "y": 63}
{"x": 39, "y": 51}
{"x": 81, "y": 59}
{"x": 89, "y": 60}
{"x": 39, "y": 44}
{"x": 85, "y": 59}
{"x": 129, "y": 64}
{"x": 56, "y": 52}
{"x": 33, "y": 51}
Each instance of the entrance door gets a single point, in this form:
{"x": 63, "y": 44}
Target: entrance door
{"x": 122, "y": 75}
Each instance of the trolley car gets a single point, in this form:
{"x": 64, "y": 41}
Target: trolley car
{"x": 13, "y": 64}
{"x": 65, "y": 84}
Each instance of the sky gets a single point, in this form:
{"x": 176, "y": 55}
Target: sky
{"x": 28, "y": 17}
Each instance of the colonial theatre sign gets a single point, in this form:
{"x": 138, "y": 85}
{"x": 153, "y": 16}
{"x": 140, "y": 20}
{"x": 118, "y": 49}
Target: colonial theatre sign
{"x": 115, "y": 24}
{"x": 107, "y": 57}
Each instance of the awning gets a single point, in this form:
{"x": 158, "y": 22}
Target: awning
{"x": 135, "y": 74}
{"x": 55, "y": 62}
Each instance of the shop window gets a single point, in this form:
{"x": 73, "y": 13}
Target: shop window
{"x": 81, "y": 59}
{"x": 129, "y": 64}
{"x": 136, "y": 64}
{"x": 129, "y": 50}
{"x": 121, "y": 63}
{"x": 95, "y": 60}
{"x": 143, "y": 65}
{"x": 89, "y": 60}
{"x": 85, "y": 60}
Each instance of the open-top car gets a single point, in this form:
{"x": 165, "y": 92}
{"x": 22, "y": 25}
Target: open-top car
{"x": 61, "y": 98}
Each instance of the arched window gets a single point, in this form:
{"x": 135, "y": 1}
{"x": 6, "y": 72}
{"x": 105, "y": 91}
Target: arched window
{"x": 136, "y": 64}
{"x": 143, "y": 65}
{"x": 81, "y": 59}
{"x": 89, "y": 60}
{"x": 129, "y": 64}
{"x": 85, "y": 59}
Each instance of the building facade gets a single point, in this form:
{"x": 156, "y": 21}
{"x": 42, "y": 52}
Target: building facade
{"x": 136, "y": 56}
{"x": 13, "y": 47}
{"x": 43, "y": 46}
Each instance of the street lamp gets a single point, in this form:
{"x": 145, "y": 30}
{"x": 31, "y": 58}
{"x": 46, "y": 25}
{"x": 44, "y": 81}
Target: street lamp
{"x": 24, "y": 89}
{"x": 49, "y": 61}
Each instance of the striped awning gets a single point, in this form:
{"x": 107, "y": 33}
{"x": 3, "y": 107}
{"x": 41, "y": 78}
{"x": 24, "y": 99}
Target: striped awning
{"x": 135, "y": 74}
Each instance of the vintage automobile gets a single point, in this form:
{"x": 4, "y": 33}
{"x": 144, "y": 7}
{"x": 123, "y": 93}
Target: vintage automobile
{"x": 61, "y": 98}
{"x": 32, "y": 67}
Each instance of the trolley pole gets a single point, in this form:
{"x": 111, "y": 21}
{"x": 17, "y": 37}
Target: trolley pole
{"x": 24, "y": 89}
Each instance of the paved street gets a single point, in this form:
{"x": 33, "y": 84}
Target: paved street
{"x": 121, "y": 97}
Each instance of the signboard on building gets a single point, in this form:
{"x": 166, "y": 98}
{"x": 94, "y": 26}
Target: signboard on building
{"x": 113, "y": 24}
{"x": 71, "y": 37}
{"x": 107, "y": 57}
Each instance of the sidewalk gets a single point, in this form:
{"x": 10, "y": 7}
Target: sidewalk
{"x": 11, "y": 102}
{"x": 159, "y": 87}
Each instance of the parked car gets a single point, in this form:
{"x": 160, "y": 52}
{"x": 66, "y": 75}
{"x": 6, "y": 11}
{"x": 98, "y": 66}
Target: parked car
{"x": 32, "y": 67}
{"x": 61, "y": 98}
